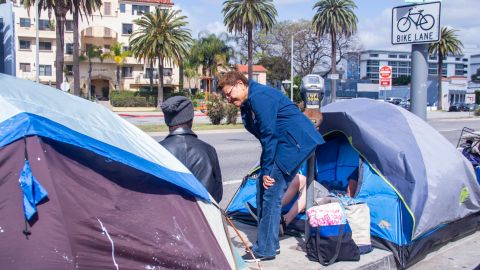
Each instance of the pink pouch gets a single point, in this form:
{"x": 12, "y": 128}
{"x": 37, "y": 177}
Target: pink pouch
{"x": 326, "y": 215}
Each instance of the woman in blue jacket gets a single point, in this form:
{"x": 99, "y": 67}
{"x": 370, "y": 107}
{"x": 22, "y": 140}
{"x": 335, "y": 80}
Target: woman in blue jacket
{"x": 287, "y": 138}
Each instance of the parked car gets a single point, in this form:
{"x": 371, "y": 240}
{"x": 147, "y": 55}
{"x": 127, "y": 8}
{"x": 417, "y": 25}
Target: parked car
{"x": 405, "y": 104}
{"x": 394, "y": 100}
{"x": 468, "y": 107}
{"x": 456, "y": 107}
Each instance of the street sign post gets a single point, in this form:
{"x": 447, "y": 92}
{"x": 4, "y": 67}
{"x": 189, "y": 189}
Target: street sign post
{"x": 385, "y": 78}
{"x": 418, "y": 25}
{"x": 414, "y": 24}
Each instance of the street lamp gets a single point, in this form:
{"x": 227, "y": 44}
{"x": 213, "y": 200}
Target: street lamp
{"x": 37, "y": 22}
{"x": 291, "y": 64}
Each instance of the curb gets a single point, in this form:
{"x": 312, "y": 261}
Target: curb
{"x": 150, "y": 115}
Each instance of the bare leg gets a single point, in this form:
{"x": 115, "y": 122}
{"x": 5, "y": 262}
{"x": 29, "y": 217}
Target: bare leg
{"x": 300, "y": 203}
{"x": 292, "y": 190}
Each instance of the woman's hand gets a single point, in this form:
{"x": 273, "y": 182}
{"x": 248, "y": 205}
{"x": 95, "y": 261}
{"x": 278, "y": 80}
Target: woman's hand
{"x": 268, "y": 181}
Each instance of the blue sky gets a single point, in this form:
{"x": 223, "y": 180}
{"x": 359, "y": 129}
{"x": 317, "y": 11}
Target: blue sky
{"x": 374, "y": 18}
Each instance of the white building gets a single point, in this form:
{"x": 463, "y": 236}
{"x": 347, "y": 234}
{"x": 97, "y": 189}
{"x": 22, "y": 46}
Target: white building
{"x": 370, "y": 61}
{"x": 474, "y": 63}
{"x": 115, "y": 24}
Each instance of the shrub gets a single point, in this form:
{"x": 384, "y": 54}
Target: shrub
{"x": 215, "y": 109}
{"x": 477, "y": 112}
{"x": 232, "y": 112}
{"x": 124, "y": 98}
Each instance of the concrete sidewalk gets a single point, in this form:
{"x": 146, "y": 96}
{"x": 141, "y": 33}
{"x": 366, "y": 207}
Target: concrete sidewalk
{"x": 293, "y": 257}
{"x": 461, "y": 254}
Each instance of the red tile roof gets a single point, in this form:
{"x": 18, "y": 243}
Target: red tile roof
{"x": 256, "y": 68}
{"x": 165, "y": 2}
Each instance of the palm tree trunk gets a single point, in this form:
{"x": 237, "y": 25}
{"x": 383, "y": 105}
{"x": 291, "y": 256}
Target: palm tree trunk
{"x": 89, "y": 86}
{"x": 333, "y": 88}
{"x": 118, "y": 77}
{"x": 76, "y": 51}
{"x": 150, "y": 75}
{"x": 180, "y": 79}
{"x": 160, "y": 82}
{"x": 60, "y": 13}
{"x": 250, "y": 53}
{"x": 439, "y": 90}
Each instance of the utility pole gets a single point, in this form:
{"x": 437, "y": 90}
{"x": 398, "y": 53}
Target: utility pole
{"x": 37, "y": 42}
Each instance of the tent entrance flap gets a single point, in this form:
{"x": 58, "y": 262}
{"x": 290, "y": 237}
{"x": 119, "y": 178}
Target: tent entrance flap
{"x": 336, "y": 162}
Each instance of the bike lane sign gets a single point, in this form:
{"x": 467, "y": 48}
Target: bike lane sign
{"x": 414, "y": 24}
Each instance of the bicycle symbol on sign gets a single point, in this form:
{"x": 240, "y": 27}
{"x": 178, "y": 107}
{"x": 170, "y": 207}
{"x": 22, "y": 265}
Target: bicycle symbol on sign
{"x": 426, "y": 22}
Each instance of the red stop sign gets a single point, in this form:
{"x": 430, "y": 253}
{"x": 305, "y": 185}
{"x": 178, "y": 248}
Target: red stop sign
{"x": 385, "y": 71}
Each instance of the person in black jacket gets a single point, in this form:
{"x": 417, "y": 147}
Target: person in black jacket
{"x": 198, "y": 156}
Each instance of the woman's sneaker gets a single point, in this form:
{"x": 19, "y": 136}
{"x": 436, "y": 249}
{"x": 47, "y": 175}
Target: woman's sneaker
{"x": 277, "y": 251}
{"x": 249, "y": 258}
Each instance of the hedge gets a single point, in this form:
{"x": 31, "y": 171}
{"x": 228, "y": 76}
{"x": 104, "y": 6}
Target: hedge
{"x": 124, "y": 98}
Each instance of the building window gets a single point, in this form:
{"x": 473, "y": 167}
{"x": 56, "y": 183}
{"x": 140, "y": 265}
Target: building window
{"x": 69, "y": 25}
{"x": 107, "y": 32}
{"x": 458, "y": 59}
{"x": 107, "y": 8}
{"x": 140, "y": 9}
{"x": 392, "y": 56}
{"x": 459, "y": 66}
{"x": 393, "y": 63}
{"x": 403, "y": 64}
{"x": 432, "y": 65}
{"x": 125, "y": 48}
{"x": 45, "y": 46}
{"x": 44, "y": 25}
{"x": 45, "y": 70}
{"x": 153, "y": 73}
{"x": 403, "y": 56}
{"x": 167, "y": 72}
{"x": 127, "y": 72}
{"x": 25, "y": 67}
{"x": 25, "y": 44}
{"x": 460, "y": 72}
{"x": 373, "y": 62}
{"x": 69, "y": 48}
{"x": 88, "y": 46}
{"x": 255, "y": 77}
{"x": 127, "y": 28}
{"x": 374, "y": 55}
{"x": 106, "y": 47}
{"x": 69, "y": 69}
{"x": 465, "y": 60}
{"x": 122, "y": 8}
{"x": 25, "y": 22}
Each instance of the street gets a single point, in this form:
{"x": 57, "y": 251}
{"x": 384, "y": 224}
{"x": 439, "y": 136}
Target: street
{"x": 239, "y": 151}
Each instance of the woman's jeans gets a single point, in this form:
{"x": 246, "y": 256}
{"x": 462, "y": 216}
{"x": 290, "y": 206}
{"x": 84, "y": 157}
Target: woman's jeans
{"x": 268, "y": 211}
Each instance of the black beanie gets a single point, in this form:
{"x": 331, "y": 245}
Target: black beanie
{"x": 177, "y": 110}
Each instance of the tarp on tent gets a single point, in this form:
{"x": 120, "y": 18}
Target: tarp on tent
{"x": 421, "y": 191}
{"x": 113, "y": 197}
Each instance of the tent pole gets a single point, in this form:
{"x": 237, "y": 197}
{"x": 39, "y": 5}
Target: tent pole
{"x": 310, "y": 191}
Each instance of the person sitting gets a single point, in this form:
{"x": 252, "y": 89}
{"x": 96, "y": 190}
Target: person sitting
{"x": 198, "y": 156}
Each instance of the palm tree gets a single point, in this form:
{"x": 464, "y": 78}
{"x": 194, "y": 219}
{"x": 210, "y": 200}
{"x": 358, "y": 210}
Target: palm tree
{"x": 86, "y": 7}
{"x": 190, "y": 70}
{"x": 246, "y": 15}
{"x": 161, "y": 33}
{"x": 211, "y": 52}
{"x": 334, "y": 17}
{"x": 118, "y": 54}
{"x": 91, "y": 53}
{"x": 448, "y": 44}
{"x": 60, "y": 9}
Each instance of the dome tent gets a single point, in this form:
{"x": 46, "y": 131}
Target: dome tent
{"x": 96, "y": 192}
{"x": 421, "y": 191}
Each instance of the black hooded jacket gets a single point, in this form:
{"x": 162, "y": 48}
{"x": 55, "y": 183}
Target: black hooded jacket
{"x": 198, "y": 156}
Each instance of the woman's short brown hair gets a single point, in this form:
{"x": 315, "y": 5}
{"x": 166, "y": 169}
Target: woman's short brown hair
{"x": 231, "y": 78}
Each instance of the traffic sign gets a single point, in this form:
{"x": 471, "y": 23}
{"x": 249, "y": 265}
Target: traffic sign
{"x": 414, "y": 24}
{"x": 65, "y": 86}
{"x": 385, "y": 81}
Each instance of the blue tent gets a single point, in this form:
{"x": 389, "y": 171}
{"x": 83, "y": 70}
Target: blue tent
{"x": 421, "y": 191}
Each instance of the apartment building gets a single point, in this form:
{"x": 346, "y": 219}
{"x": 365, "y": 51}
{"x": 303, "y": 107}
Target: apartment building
{"x": 113, "y": 23}
{"x": 365, "y": 64}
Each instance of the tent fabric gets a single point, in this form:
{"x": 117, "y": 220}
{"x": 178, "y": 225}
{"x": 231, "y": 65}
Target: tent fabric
{"x": 425, "y": 170}
{"x": 51, "y": 113}
{"x": 97, "y": 218}
{"x": 116, "y": 198}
